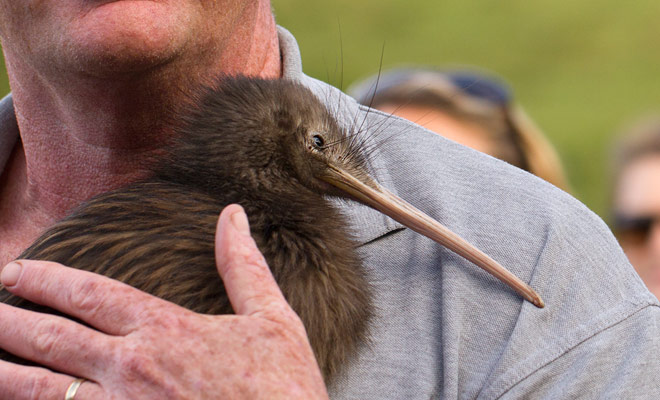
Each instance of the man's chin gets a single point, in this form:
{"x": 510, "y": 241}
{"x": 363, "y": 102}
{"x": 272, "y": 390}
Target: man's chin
{"x": 115, "y": 59}
{"x": 126, "y": 36}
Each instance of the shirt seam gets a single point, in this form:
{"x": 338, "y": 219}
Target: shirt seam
{"x": 578, "y": 342}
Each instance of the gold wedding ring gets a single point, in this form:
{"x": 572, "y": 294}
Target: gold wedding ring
{"x": 73, "y": 388}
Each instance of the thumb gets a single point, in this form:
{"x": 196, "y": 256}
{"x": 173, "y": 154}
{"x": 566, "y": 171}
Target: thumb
{"x": 250, "y": 285}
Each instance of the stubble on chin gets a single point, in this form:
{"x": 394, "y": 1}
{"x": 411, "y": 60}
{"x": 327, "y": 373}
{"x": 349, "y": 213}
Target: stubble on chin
{"x": 109, "y": 40}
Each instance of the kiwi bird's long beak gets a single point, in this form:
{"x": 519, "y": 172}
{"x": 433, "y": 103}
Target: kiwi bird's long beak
{"x": 396, "y": 208}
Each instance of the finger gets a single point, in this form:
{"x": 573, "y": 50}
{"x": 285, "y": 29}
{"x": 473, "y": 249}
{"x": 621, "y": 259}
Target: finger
{"x": 104, "y": 303}
{"x": 54, "y": 341}
{"x": 250, "y": 285}
{"x": 18, "y": 382}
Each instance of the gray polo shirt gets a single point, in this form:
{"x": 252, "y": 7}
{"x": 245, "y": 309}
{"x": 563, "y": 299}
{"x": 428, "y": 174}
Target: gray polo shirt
{"x": 446, "y": 329}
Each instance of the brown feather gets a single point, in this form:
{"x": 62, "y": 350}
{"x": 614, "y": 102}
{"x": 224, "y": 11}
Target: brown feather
{"x": 243, "y": 141}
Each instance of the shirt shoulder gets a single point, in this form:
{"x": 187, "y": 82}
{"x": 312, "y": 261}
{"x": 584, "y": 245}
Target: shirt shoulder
{"x": 486, "y": 339}
{"x": 618, "y": 362}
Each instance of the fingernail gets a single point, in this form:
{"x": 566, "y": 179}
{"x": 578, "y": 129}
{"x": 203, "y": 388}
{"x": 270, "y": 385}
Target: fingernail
{"x": 10, "y": 273}
{"x": 240, "y": 222}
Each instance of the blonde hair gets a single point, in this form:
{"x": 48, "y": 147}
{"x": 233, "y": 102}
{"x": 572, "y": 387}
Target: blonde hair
{"x": 637, "y": 140}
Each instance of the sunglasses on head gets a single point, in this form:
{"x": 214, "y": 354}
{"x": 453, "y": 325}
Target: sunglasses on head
{"x": 481, "y": 87}
{"x": 634, "y": 228}
{"x": 472, "y": 84}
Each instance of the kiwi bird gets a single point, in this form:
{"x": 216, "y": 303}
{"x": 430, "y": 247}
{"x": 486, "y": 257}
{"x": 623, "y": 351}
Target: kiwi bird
{"x": 274, "y": 148}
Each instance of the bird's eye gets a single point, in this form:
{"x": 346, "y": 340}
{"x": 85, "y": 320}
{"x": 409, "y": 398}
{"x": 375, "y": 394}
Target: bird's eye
{"x": 318, "y": 141}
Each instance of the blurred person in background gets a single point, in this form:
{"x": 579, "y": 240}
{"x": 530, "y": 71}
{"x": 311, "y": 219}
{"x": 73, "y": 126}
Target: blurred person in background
{"x": 636, "y": 199}
{"x": 472, "y": 108}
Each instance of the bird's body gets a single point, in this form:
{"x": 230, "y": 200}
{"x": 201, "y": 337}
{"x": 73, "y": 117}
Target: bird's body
{"x": 274, "y": 148}
{"x": 240, "y": 145}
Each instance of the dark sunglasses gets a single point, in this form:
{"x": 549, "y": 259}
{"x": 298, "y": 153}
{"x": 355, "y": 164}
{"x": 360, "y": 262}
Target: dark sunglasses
{"x": 634, "y": 229}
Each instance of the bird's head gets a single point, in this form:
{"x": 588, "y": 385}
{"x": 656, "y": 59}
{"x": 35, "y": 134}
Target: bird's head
{"x": 269, "y": 135}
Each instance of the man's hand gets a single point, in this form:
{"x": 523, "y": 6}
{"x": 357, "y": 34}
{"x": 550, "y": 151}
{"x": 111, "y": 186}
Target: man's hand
{"x": 143, "y": 347}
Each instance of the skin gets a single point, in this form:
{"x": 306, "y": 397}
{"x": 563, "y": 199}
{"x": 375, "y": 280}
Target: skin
{"x": 93, "y": 83}
{"x": 469, "y": 134}
{"x": 636, "y": 195}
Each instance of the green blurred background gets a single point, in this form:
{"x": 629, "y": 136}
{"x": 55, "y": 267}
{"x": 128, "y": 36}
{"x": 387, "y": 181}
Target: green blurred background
{"x": 580, "y": 68}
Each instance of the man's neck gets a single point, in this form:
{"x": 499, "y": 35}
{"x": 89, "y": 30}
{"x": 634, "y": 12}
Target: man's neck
{"x": 82, "y": 135}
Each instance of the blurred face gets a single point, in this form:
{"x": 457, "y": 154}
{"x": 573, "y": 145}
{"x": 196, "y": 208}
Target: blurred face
{"x": 98, "y": 37}
{"x": 637, "y": 203}
{"x": 468, "y": 134}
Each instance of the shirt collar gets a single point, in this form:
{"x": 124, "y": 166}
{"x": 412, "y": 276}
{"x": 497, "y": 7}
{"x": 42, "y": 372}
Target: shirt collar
{"x": 367, "y": 223}
{"x": 8, "y": 129}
